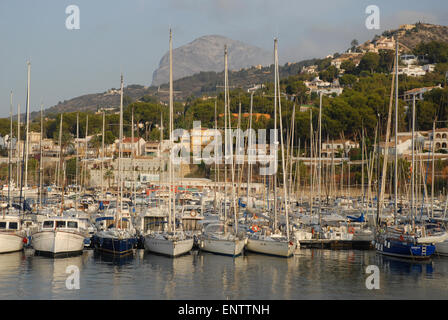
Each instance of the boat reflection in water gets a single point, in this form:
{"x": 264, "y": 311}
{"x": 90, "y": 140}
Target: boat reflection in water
{"x": 405, "y": 266}
{"x": 114, "y": 259}
{"x": 53, "y": 275}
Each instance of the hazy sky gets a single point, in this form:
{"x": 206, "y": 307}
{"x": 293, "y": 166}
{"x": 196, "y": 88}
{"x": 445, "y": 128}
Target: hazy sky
{"x": 131, "y": 37}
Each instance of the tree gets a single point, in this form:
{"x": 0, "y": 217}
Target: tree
{"x": 348, "y": 66}
{"x": 347, "y": 80}
{"x": 369, "y": 62}
{"x": 329, "y": 74}
{"x": 109, "y": 174}
{"x": 435, "y": 51}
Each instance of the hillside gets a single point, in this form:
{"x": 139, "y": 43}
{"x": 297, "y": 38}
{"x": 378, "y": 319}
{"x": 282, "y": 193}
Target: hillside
{"x": 211, "y": 82}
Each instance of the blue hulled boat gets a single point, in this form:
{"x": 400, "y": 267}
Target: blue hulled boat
{"x": 112, "y": 240}
{"x": 399, "y": 242}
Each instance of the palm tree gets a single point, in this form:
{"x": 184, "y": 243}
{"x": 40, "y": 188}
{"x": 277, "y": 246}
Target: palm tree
{"x": 109, "y": 174}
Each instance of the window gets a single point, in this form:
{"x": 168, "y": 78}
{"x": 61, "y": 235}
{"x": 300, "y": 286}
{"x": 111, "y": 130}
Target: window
{"x": 13, "y": 225}
{"x": 2, "y": 225}
{"x": 48, "y": 224}
{"x": 72, "y": 224}
{"x": 60, "y": 224}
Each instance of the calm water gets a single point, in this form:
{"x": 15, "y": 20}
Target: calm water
{"x": 310, "y": 274}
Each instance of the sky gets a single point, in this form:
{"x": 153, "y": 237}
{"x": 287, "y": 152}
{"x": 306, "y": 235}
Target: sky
{"x": 131, "y": 36}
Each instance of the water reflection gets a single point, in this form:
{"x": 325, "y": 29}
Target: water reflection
{"x": 309, "y": 274}
{"x": 112, "y": 259}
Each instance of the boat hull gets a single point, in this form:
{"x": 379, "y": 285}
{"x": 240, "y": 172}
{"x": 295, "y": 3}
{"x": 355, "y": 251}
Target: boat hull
{"x": 10, "y": 242}
{"x": 168, "y": 247}
{"x": 405, "y": 249}
{"x": 273, "y": 248}
{"x": 223, "y": 247}
{"x": 115, "y": 246}
{"x": 58, "y": 242}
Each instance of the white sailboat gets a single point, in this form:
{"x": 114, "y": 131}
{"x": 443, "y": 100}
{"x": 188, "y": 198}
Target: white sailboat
{"x": 276, "y": 244}
{"x": 170, "y": 242}
{"x": 218, "y": 238}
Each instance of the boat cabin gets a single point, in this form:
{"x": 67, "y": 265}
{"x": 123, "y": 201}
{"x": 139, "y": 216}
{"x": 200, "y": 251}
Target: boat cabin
{"x": 60, "y": 223}
{"x": 104, "y": 223}
{"x": 9, "y": 223}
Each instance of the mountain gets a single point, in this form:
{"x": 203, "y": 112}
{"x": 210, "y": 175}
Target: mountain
{"x": 207, "y": 54}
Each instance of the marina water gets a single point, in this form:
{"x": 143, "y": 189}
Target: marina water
{"x": 309, "y": 274}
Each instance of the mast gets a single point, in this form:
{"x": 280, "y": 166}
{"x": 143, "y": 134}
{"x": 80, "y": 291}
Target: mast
{"x": 9, "y": 155}
{"x": 18, "y": 147}
{"x": 275, "y": 131}
{"x": 102, "y": 157}
{"x": 41, "y": 162}
{"x": 77, "y": 160}
{"x": 320, "y": 156}
{"x": 396, "y": 132}
{"x": 27, "y": 124}
{"x": 133, "y": 154}
{"x": 283, "y": 148}
{"x": 61, "y": 183}
{"x": 225, "y": 135}
{"x": 413, "y": 161}
{"x": 432, "y": 171}
{"x": 311, "y": 161}
{"x": 85, "y": 154}
{"x": 120, "y": 188}
{"x": 172, "y": 204}
{"x": 216, "y": 158}
{"x": 249, "y": 146}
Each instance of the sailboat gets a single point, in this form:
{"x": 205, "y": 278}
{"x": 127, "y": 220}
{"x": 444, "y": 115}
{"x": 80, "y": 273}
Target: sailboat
{"x": 12, "y": 237}
{"x": 170, "y": 242}
{"x": 275, "y": 244}
{"x": 58, "y": 235}
{"x": 401, "y": 240}
{"x": 117, "y": 235}
{"x": 218, "y": 237}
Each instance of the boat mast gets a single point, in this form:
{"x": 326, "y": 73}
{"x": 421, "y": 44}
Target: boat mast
{"x": 216, "y": 157}
{"x": 102, "y": 157}
{"x": 27, "y": 127}
{"x": 41, "y": 162}
{"x": 413, "y": 161}
{"x": 9, "y": 155}
{"x": 120, "y": 188}
{"x": 320, "y": 156}
{"x": 249, "y": 149}
{"x": 61, "y": 165}
{"x": 396, "y": 133}
{"x": 77, "y": 160}
{"x": 225, "y": 136}
{"x": 275, "y": 132}
{"x": 172, "y": 205}
{"x": 432, "y": 171}
{"x": 282, "y": 144}
{"x": 18, "y": 146}
{"x": 85, "y": 154}
{"x": 133, "y": 154}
